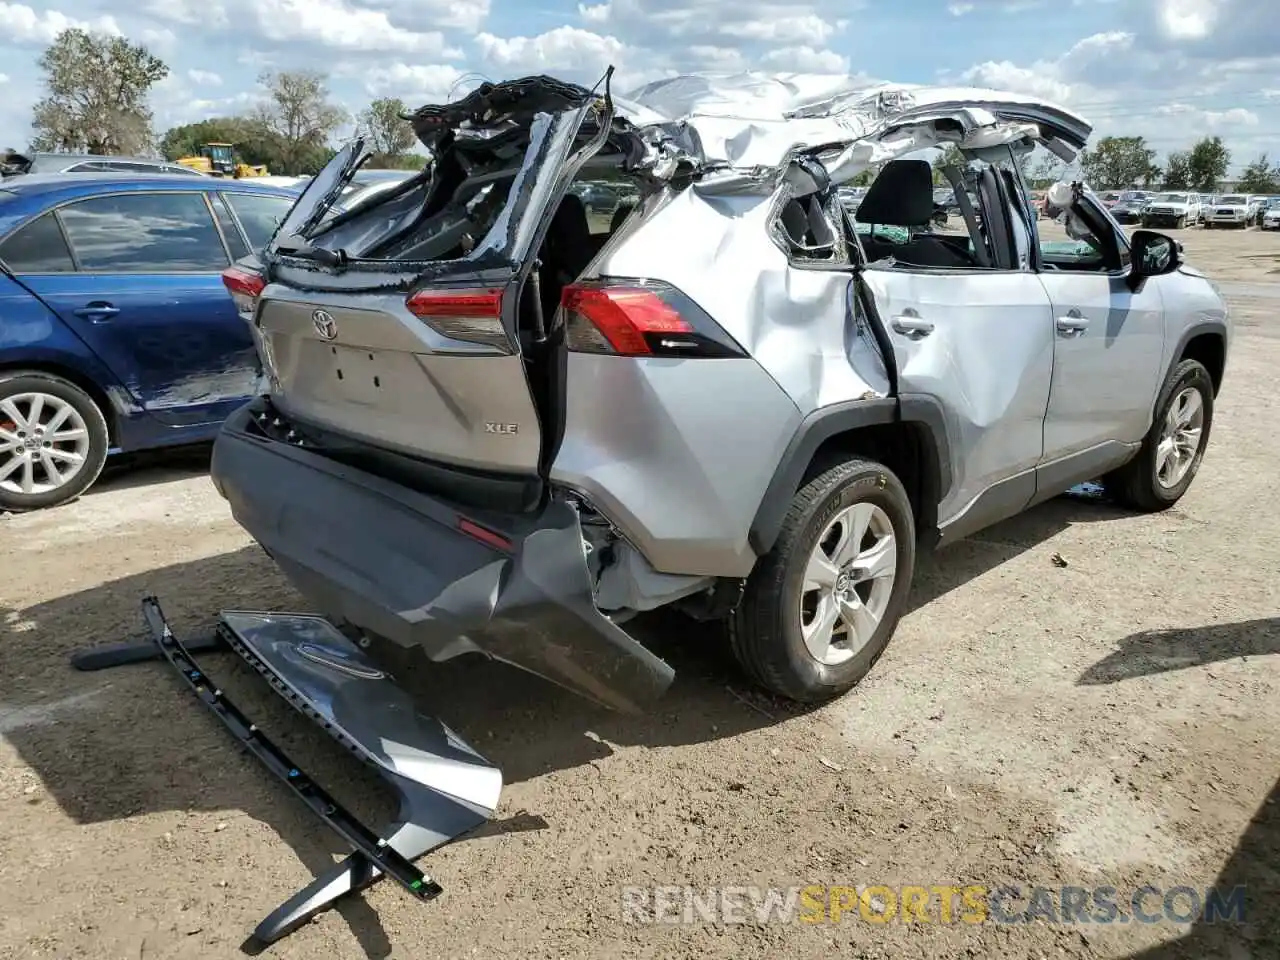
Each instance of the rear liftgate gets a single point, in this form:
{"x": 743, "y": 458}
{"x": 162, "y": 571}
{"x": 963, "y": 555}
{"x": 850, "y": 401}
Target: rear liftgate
{"x": 443, "y": 786}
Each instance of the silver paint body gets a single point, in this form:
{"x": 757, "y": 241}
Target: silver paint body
{"x": 677, "y": 454}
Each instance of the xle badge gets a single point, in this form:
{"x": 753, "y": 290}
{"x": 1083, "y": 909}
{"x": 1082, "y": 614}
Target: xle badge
{"x": 507, "y": 429}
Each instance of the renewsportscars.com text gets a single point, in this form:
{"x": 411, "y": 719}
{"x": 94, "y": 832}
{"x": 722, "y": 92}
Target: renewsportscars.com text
{"x": 935, "y": 903}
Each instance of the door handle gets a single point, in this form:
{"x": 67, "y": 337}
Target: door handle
{"x": 914, "y": 328}
{"x": 1073, "y": 324}
{"x": 97, "y": 311}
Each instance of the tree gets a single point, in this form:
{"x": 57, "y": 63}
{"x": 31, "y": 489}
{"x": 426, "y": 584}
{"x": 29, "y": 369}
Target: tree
{"x": 949, "y": 157}
{"x": 253, "y": 143}
{"x": 1117, "y": 162}
{"x": 300, "y": 118}
{"x": 1260, "y": 177}
{"x": 1207, "y": 164}
{"x": 1046, "y": 171}
{"x": 390, "y": 135}
{"x": 96, "y": 97}
{"x": 1177, "y": 171}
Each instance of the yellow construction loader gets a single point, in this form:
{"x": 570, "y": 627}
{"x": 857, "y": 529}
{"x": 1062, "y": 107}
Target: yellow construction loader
{"x": 219, "y": 159}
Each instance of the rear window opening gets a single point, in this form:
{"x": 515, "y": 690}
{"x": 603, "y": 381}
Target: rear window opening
{"x": 470, "y": 201}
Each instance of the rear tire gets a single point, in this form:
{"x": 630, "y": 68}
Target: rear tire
{"x": 53, "y": 441}
{"x": 841, "y": 568}
{"x": 1171, "y": 453}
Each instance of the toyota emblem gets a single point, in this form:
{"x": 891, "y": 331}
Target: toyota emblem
{"x": 325, "y": 325}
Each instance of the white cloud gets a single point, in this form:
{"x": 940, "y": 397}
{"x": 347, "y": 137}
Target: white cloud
{"x": 21, "y": 24}
{"x": 159, "y": 40}
{"x": 1188, "y": 19}
{"x": 1172, "y": 96}
{"x": 4, "y": 78}
{"x": 338, "y": 24}
{"x": 792, "y": 29}
{"x": 806, "y": 59}
{"x": 465, "y": 15}
{"x": 1212, "y": 119}
{"x": 1061, "y": 79}
{"x": 1168, "y": 69}
{"x": 673, "y": 29}
{"x": 414, "y": 84}
{"x": 196, "y": 13}
{"x": 349, "y": 25}
{"x": 580, "y": 50}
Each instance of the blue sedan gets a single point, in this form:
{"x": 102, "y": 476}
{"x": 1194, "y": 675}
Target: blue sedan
{"x": 116, "y": 332}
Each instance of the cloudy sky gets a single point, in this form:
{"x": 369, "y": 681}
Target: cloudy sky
{"x": 1171, "y": 70}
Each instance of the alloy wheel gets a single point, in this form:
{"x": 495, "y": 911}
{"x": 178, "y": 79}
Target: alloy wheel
{"x": 1180, "y": 437}
{"x": 44, "y": 443}
{"x": 848, "y": 583}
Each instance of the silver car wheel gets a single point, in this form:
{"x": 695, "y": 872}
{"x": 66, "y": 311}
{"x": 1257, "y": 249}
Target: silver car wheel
{"x": 1180, "y": 438}
{"x": 847, "y": 583}
{"x": 44, "y": 443}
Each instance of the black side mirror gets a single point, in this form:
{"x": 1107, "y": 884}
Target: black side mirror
{"x": 1152, "y": 255}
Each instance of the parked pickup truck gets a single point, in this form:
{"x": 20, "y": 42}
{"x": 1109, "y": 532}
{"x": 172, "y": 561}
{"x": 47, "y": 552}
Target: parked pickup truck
{"x": 1233, "y": 210}
{"x": 1172, "y": 210}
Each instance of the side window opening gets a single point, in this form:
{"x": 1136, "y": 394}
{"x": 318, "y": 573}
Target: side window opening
{"x": 37, "y": 247}
{"x": 907, "y": 221}
{"x": 227, "y": 226}
{"x": 259, "y": 214}
{"x": 144, "y": 233}
{"x": 806, "y": 229}
{"x": 1091, "y": 245}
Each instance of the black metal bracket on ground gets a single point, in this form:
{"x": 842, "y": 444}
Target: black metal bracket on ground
{"x": 444, "y": 787}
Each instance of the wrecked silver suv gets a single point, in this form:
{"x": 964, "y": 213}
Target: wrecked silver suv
{"x": 498, "y": 424}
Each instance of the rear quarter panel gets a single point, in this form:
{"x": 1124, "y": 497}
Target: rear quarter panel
{"x": 679, "y": 453}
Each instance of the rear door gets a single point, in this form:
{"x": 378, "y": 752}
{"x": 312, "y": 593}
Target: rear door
{"x": 407, "y": 326}
{"x": 147, "y": 297}
{"x": 976, "y": 344}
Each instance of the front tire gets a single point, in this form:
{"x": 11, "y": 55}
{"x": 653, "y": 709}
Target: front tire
{"x": 1181, "y": 223}
{"x": 821, "y": 606}
{"x": 1171, "y": 453}
{"x": 53, "y": 441}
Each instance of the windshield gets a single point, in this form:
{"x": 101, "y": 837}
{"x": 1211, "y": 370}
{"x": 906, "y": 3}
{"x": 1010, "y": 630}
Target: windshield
{"x": 1234, "y": 199}
{"x": 1171, "y": 197}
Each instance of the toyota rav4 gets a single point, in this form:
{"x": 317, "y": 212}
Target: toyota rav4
{"x": 496, "y": 424}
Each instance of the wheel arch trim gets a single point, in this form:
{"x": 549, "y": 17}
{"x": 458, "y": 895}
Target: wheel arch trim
{"x": 822, "y": 425}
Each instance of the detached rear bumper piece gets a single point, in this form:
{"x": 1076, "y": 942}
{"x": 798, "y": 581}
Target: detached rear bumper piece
{"x": 414, "y": 569}
{"x": 444, "y": 787}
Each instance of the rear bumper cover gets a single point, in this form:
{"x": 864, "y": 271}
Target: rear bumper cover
{"x": 395, "y": 563}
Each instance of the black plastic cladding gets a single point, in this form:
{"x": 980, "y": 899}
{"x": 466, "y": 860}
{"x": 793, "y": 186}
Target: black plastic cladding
{"x": 707, "y": 340}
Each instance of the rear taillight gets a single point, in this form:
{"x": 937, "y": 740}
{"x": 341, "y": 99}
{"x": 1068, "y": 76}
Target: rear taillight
{"x": 471, "y": 315}
{"x": 640, "y": 318}
{"x": 245, "y": 286}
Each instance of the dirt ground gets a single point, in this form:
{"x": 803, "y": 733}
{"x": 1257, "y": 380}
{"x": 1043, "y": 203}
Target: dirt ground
{"x": 1107, "y": 722}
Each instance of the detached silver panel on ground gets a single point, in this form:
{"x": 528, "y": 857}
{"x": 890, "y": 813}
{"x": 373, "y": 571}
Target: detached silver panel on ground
{"x": 444, "y": 787}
